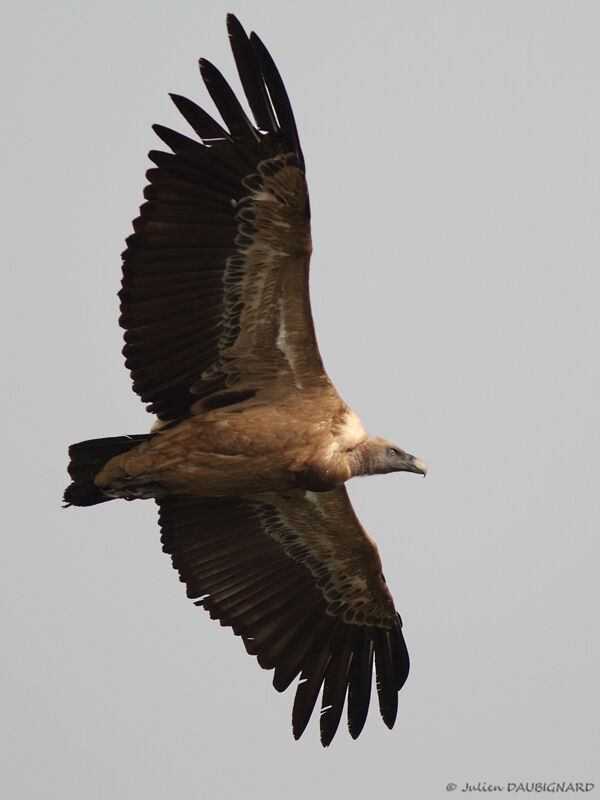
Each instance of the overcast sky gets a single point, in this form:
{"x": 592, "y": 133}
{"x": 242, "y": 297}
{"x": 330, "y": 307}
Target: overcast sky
{"x": 453, "y": 160}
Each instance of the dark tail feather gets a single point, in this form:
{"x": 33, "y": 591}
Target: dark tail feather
{"x": 87, "y": 458}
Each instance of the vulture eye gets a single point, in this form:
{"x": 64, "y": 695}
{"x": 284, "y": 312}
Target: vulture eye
{"x": 393, "y": 452}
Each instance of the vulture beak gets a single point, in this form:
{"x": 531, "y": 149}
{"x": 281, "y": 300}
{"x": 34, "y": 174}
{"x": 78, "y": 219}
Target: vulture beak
{"x": 415, "y": 464}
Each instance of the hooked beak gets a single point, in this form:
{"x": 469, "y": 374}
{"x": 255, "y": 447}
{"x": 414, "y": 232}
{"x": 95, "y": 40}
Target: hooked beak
{"x": 414, "y": 464}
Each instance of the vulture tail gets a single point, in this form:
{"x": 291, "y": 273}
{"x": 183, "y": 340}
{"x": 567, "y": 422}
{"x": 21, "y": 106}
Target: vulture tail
{"x": 87, "y": 459}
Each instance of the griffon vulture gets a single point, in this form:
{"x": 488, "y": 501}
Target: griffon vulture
{"x": 248, "y": 458}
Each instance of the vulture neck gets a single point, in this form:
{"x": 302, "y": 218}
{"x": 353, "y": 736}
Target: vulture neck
{"x": 363, "y": 458}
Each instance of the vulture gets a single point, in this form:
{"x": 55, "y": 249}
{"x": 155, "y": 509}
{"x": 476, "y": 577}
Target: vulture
{"x": 252, "y": 445}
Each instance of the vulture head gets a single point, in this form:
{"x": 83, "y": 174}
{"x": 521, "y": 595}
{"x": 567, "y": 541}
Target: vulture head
{"x": 378, "y": 456}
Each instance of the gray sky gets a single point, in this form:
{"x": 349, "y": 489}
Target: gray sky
{"x": 453, "y": 162}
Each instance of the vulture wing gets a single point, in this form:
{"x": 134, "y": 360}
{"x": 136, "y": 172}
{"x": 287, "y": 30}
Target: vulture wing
{"x": 215, "y": 276}
{"x": 300, "y": 581}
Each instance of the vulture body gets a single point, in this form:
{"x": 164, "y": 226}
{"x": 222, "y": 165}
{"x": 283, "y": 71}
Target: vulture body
{"x": 253, "y": 445}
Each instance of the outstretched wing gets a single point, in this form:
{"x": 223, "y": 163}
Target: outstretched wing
{"x": 215, "y": 277}
{"x": 300, "y": 581}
